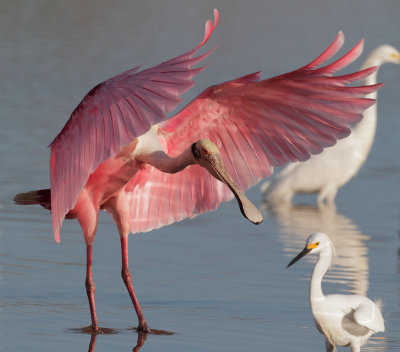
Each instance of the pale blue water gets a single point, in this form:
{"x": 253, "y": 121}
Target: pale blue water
{"x": 218, "y": 282}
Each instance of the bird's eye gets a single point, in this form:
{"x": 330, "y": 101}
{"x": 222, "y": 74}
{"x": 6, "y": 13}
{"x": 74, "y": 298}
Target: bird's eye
{"x": 317, "y": 243}
{"x": 204, "y": 151}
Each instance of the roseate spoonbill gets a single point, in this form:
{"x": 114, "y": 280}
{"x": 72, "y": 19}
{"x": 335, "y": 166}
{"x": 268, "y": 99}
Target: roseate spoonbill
{"x": 344, "y": 320}
{"x": 119, "y": 153}
{"x": 325, "y": 173}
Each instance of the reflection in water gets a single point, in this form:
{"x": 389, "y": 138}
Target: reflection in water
{"x": 376, "y": 343}
{"x": 298, "y": 221}
{"x": 92, "y": 343}
{"x": 141, "y": 338}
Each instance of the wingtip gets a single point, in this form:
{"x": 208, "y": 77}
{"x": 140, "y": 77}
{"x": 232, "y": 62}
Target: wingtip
{"x": 329, "y": 52}
{"x": 358, "y": 49}
{"x": 56, "y": 231}
{"x": 210, "y": 26}
{"x": 379, "y": 85}
{"x": 340, "y": 37}
{"x": 216, "y": 15}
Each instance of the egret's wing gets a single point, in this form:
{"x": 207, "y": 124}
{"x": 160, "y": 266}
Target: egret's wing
{"x": 370, "y": 316}
{"x": 111, "y": 116}
{"x": 157, "y": 199}
{"x": 258, "y": 124}
{"x": 350, "y": 325}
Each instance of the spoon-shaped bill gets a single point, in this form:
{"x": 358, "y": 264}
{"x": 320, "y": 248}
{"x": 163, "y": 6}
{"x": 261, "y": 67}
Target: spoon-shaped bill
{"x": 248, "y": 209}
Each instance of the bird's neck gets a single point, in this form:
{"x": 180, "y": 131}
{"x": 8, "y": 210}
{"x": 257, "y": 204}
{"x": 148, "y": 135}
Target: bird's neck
{"x": 374, "y": 59}
{"x": 365, "y": 129}
{"x": 321, "y": 267}
{"x": 167, "y": 164}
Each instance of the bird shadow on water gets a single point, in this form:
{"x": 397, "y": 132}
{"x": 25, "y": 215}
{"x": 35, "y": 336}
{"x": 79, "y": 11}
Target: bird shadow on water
{"x": 141, "y": 336}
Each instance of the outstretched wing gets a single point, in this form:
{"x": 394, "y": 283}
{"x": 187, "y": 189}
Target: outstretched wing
{"x": 111, "y": 116}
{"x": 157, "y": 199}
{"x": 256, "y": 125}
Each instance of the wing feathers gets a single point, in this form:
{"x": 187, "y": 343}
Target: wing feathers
{"x": 285, "y": 118}
{"x": 256, "y": 124}
{"x": 111, "y": 116}
{"x": 345, "y": 60}
{"x": 329, "y": 52}
{"x": 368, "y": 314}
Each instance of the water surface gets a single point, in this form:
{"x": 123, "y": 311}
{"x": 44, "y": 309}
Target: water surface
{"x": 217, "y": 282}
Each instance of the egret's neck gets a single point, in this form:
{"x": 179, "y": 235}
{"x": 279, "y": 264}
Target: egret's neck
{"x": 364, "y": 131}
{"x": 165, "y": 163}
{"x": 372, "y": 78}
{"x": 321, "y": 267}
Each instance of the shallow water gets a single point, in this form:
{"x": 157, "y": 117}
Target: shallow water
{"x": 217, "y": 282}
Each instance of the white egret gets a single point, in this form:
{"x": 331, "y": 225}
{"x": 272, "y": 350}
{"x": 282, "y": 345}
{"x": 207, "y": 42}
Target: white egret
{"x": 295, "y": 222}
{"x": 325, "y": 173}
{"x": 344, "y": 320}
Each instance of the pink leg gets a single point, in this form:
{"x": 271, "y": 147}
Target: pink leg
{"x": 90, "y": 287}
{"x": 126, "y": 276}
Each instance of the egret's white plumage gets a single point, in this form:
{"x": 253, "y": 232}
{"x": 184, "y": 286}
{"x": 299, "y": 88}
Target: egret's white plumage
{"x": 344, "y": 320}
{"x": 325, "y": 173}
{"x": 296, "y": 221}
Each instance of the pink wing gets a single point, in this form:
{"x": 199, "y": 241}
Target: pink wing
{"x": 157, "y": 199}
{"x": 111, "y": 116}
{"x": 256, "y": 125}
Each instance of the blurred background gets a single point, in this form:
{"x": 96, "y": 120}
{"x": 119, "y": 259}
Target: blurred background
{"x": 217, "y": 282}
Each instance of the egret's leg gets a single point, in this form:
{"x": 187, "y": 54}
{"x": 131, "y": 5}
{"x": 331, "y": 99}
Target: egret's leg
{"x": 278, "y": 191}
{"x": 90, "y": 287}
{"x": 330, "y": 199}
{"x": 127, "y": 277}
{"x": 329, "y": 347}
{"x": 355, "y": 347}
{"x": 327, "y": 194}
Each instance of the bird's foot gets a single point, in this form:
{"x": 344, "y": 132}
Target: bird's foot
{"x": 94, "y": 331}
{"x": 146, "y": 330}
{"x": 143, "y": 328}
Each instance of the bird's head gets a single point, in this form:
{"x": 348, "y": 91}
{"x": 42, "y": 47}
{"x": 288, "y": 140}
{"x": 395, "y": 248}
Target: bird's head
{"x": 384, "y": 54}
{"x": 315, "y": 243}
{"x": 389, "y": 53}
{"x": 207, "y": 155}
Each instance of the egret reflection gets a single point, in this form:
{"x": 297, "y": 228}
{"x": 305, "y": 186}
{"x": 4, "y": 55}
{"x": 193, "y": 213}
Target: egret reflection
{"x": 298, "y": 221}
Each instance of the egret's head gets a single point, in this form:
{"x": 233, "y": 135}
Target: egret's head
{"x": 207, "y": 155}
{"x": 386, "y": 53}
{"x": 317, "y": 241}
{"x": 314, "y": 244}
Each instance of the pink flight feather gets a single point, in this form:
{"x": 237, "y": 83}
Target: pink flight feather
{"x": 111, "y": 116}
{"x": 256, "y": 124}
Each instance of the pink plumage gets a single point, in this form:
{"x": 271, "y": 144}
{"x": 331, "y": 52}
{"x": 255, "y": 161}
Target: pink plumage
{"x": 112, "y": 115}
{"x": 119, "y": 152}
